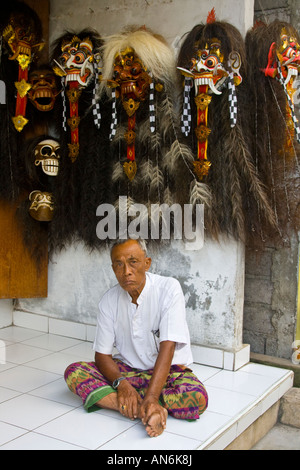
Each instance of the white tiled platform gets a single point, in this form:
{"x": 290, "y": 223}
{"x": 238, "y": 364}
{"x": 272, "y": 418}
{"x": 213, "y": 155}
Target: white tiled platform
{"x": 37, "y": 411}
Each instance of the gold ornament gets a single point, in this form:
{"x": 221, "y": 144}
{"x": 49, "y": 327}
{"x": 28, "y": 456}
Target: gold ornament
{"x": 201, "y": 168}
{"x": 73, "y": 151}
{"x": 202, "y": 101}
{"x": 129, "y": 137}
{"x": 73, "y": 122}
{"x": 73, "y": 95}
{"x": 23, "y": 87}
{"x": 159, "y": 87}
{"x": 202, "y": 132}
{"x": 130, "y": 169}
{"x": 24, "y": 61}
{"x": 131, "y": 106}
{"x": 19, "y": 122}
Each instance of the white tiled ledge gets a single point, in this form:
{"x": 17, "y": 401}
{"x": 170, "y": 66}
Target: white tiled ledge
{"x": 54, "y": 325}
{"x": 209, "y": 356}
{"x": 221, "y": 358}
{"x": 239, "y": 423}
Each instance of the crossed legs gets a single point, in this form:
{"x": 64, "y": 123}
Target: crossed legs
{"x": 183, "y": 397}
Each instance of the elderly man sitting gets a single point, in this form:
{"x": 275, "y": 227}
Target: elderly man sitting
{"x": 143, "y": 316}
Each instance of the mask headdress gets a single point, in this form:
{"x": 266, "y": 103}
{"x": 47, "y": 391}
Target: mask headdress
{"x": 284, "y": 64}
{"x": 209, "y": 73}
{"x": 84, "y": 179}
{"x": 74, "y": 60}
{"x": 132, "y": 82}
{"x": 273, "y": 59}
{"x": 134, "y": 62}
{"x": 214, "y": 120}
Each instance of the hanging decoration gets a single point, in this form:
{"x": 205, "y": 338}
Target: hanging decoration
{"x": 84, "y": 179}
{"x": 215, "y": 125}
{"x": 284, "y": 64}
{"x": 273, "y": 58}
{"x": 23, "y": 43}
{"x": 208, "y": 72}
{"x": 131, "y": 82}
{"x": 76, "y": 66}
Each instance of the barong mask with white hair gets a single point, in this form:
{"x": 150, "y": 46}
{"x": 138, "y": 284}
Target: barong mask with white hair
{"x": 131, "y": 83}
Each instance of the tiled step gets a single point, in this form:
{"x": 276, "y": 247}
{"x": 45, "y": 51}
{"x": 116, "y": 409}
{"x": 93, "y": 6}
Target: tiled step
{"x": 286, "y": 412}
{"x": 254, "y": 421}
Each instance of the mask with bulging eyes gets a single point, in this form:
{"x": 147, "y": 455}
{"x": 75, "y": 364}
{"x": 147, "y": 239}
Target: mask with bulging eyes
{"x": 289, "y": 57}
{"x": 47, "y": 155}
{"x": 76, "y": 61}
{"x": 130, "y": 76}
{"x": 42, "y": 206}
{"x": 208, "y": 67}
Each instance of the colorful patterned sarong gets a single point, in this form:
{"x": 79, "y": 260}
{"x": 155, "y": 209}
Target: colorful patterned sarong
{"x": 184, "y": 396}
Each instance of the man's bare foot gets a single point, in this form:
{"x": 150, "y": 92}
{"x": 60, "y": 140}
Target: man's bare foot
{"x": 154, "y": 426}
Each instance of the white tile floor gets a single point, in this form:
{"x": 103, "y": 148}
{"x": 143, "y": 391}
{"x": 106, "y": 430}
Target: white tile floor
{"x": 37, "y": 411}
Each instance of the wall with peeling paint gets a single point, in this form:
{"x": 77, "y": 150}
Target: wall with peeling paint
{"x": 212, "y": 278}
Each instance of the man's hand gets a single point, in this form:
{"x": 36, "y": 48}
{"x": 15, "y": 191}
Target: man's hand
{"x": 129, "y": 400}
{"x": 150, "y": 406}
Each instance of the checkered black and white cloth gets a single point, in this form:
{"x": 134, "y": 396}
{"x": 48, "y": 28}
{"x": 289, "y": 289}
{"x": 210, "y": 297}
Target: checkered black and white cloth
{"x": 152, "y": 108}
{"x": 64, "y": 111}
{"x": 114, "y": 122}
{"x": 291, "y": 105}
{"x": 186, "y": 117}
{"x": 95, "y": 103}
{"x": 233, "y": 109}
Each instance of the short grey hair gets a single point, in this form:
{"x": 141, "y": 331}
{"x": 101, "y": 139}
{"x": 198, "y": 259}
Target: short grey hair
{"x": 121, "y": 241}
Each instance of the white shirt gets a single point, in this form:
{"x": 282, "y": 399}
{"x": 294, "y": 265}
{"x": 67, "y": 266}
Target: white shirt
{"x": 136, "y": 330}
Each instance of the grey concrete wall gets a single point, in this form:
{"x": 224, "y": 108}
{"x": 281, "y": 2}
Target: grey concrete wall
{"x": 171, "y": 18}
{"x": 270, "y": 310}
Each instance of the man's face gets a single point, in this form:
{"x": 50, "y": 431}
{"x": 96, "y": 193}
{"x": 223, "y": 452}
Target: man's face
{"x": 130, "y": 264}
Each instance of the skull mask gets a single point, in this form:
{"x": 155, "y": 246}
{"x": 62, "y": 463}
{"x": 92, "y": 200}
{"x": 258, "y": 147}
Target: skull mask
{"x": 47, "y": 155}
{"x": 43, "y": 89}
